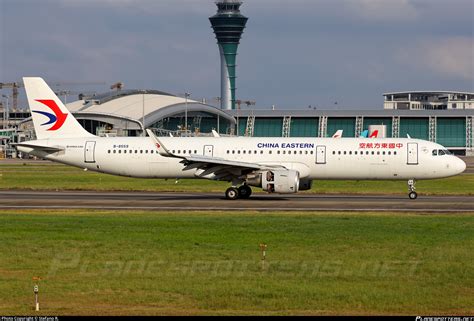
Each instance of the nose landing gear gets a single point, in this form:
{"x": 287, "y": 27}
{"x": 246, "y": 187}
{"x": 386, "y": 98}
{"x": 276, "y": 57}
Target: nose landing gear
{"x": 233, "y": 193}
{"x": 411, "y": 187}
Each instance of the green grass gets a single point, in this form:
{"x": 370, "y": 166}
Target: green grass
{"x": 61, "y": 177}
{"x": 102, "y": 262}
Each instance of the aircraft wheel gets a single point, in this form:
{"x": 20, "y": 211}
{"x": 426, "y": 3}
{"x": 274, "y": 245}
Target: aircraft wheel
{"x": 232, "y": 193}
{"x": 412, "y": 195}
{"x": 245, "y": 191}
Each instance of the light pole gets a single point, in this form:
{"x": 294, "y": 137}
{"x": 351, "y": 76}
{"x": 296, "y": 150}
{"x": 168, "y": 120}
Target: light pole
{"x": 143, "y": 113}
{"x": 186, "y": 95}
{"x": 5, "y": 112}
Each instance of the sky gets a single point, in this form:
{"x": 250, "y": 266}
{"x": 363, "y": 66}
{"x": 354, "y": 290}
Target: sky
{"x": 293, "y": 54}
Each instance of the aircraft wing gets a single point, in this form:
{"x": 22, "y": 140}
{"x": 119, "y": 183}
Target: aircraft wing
{"x": 212, "y": 167}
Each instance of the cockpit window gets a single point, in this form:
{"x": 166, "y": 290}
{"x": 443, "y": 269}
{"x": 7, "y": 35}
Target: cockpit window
{"x": 441, "y": 152}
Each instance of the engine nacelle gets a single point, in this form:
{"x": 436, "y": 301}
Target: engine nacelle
{"x": 305, "y": 184}
{"x": 277, "y": 181}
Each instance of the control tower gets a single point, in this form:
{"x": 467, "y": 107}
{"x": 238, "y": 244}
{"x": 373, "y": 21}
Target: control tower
{"x": 228, "y": 25}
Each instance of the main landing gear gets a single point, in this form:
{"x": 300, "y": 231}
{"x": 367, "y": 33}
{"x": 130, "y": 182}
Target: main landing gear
{"x": 233, "y": 193}
{"x": 411, "y": 187}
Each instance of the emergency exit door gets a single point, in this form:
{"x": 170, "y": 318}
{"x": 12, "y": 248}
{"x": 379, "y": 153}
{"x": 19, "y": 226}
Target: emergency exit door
{"x": 208, "y": 150}
{"x": 412, "y": 153}
{"x": 320, "y": 154}
{"x": 89, "y": 152}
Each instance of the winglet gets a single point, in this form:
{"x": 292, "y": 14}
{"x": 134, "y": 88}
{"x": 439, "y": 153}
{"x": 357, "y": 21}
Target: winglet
{"x": 161, "y": 149}
{"x": 338, "y": 133}
{"x": 408, "y": 135}
{"x": 215, "y": 134}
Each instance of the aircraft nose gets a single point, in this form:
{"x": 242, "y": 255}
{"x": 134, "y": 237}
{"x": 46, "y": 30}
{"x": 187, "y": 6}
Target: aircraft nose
{"x": 460, "y": 165}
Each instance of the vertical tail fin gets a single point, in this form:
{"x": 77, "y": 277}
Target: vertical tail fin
{"x": 50, "y": 117}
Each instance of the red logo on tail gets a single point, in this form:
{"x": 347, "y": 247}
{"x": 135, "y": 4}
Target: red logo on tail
{"x": 60, "y": 116}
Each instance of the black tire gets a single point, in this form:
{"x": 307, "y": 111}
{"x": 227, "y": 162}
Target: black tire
{"x": 412, "y": 195}
{"x": 232, "y": 193}
{"x": 245, "y": 191}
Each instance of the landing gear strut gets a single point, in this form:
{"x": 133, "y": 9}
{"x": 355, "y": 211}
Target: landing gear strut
{"x": 411, "y": 187}
{"x": 233, "y": 193}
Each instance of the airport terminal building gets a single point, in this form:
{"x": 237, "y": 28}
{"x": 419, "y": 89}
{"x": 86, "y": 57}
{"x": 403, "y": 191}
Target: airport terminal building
{"x": 450, "y": 128}
{"x": 129, "y": 112}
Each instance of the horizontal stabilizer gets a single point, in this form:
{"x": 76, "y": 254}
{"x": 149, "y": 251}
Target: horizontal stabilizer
{"x": 51, "y": 149}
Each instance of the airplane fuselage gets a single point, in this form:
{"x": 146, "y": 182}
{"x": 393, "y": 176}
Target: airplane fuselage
{"x": 313, "y": 158}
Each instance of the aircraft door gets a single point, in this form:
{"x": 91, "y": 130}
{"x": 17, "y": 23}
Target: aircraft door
{"x": 89, "y": 152}
{"x": 320, "y": 154}
{"x": 208, "y": 150}
{"x": 412, "y": 153}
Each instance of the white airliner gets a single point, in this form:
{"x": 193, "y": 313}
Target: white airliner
{"x": 277, "y": 165}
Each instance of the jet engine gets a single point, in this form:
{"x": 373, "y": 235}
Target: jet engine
{"x": 280, "y": 181}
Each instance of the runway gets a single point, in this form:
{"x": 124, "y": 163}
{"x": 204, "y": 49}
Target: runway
{"x": 217, "y": 202}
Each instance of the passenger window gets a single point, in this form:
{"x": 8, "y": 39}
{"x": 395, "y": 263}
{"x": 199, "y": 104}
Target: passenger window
{"x": 108, "y": 151}
{"x": 120, "y": 151}
{"x": 255, "y": 152}
{"x": 306, "y": 152}
{"x": 339, "y": 152}
{"x": 350, "y": 152}
{"x": 355, "y": 153}
{"x": 146, "y": 151}
{"x": 195, "y": 151}
{"x": 173, "y": 151}
{"x": 378, "y": 152}
{"x": 190, "y": 152}
{"x": 389, "y": 152}
{"x": 345, "y": 152}
{"x": 373, "y": 153}
{"x": 141, "y": 151}
{"x": 311, "y": 152}
{"x": 435, "y": 152}
{"x": 243, "y": 151}
{"x": 115, "y": 151}
{"x": 238, "y": 152}
{"x": 367, "y": 153}
{"x": 394, "y": 153}
{"x": 233, "y": 152}
{"x": 284, "y": 152}
{"x": 301, "y": 152}
{"x": 278, "y": 152}
{"x": 125, "y": 151}
{"x": 383, "y": 153}
{"x": 227, "y": 151}
{"x": 151, "y": 151}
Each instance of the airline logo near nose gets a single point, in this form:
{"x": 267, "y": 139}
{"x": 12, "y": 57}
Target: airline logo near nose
{"x": 57, "y": 119}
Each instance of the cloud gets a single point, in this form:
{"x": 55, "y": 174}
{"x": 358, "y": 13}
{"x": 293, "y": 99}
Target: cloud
{"x": 383, "y": 10}
{"x": 150, "y": 7}
{"x": 451, "y": 56}
{"x": 318, "y": 51}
